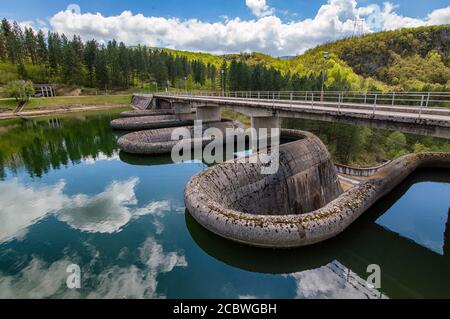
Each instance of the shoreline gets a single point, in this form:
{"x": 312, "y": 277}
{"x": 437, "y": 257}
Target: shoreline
{"x": 60, "y": 110}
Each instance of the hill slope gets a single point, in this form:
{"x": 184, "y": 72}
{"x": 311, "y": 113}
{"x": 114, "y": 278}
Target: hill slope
{"x": 412, "y": 58}
{"x": 408, "y": 59}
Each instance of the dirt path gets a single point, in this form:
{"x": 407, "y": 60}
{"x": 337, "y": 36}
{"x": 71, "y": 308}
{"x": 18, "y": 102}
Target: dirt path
{"x": 40, "y": 112}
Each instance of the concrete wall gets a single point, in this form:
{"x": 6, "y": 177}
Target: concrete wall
{"x": 234, "y": 201}
{"x": 158, "y": 141}
{"x": 306, "y": 180}
{"x": 361, "y": 172}
{"x": 209, "y": 114}
{"x": 141, "y": 101}
{"x": 150, "y": 122}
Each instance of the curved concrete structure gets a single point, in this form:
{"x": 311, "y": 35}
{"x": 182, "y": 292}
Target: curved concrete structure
{"x": 158, "y": 141}
{"x": 300, "y": 205}
{"x": 140, "y": 113}
{"x": 150, "y": 122}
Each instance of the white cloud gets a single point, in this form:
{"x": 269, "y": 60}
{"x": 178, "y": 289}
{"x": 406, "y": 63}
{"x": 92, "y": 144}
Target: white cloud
{"x": 259, "y": 7}
{"x": 332, "y": 281}
{"x": 134, "y": 282}
{"x": 268, "y": 33}
{"x": 105, "y": 212}
{"x": 42, "y": 280}
{"x": 23, "y": 206}
{"x": 390, "y": 20}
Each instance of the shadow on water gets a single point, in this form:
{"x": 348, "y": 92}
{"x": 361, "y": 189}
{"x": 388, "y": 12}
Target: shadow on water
{"x": 408, "y": 269}
{"x": 140, "y": 160}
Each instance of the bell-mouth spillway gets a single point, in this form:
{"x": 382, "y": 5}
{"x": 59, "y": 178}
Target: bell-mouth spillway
{"x": 159, "y": 141}
{"x": 302, "y": 204}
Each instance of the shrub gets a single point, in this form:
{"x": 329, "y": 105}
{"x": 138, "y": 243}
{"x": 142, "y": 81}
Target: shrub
{"x": 20, "y": 90}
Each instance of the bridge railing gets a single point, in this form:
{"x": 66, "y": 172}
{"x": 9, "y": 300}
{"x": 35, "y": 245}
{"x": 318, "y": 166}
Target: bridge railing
{"x": 407, "y": 99}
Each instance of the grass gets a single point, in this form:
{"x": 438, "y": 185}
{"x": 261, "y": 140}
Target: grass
{"x": 230, "y": 114}
{"x": 67, "y": 101}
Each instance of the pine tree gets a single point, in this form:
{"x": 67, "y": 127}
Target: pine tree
{"x": 3, "y": 50}
{"x": 90, "y": 55}
{"x": 41, "y": 48}
{"x": 30, "y": 45}
{"x": 101, "y": 70}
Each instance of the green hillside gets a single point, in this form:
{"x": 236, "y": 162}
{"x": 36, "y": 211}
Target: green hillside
{"x": 408, "y": 59}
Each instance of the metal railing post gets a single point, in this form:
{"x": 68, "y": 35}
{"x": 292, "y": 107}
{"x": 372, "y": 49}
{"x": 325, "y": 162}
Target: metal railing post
{"x": 428, "y": 99}
{"x": 393, "y": 98}
{"x": 312, "y": 99}
{"x": 339, "y": 105}
{"x": 365, "y": 98}
{"x": 374, "y": 104}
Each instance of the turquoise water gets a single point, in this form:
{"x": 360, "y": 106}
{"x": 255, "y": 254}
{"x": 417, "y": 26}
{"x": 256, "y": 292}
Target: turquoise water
{"x": 68, "y": 196}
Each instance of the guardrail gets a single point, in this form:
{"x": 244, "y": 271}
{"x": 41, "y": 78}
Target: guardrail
{"x": 359, "y": 171}
{"x": 374, "y": 99}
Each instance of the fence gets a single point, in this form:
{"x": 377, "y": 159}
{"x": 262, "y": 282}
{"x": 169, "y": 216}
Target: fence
{"x": 409, "y": 99}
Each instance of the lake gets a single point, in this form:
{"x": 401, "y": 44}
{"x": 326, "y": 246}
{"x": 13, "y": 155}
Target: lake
{"x": 68, "y": 196}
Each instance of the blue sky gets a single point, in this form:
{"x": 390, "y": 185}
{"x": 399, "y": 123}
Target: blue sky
{"x": 208, "y": 10}
{"x": 276, "y": 27}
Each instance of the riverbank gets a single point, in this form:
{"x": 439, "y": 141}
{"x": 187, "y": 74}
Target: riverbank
{"x": 64, "y": 104}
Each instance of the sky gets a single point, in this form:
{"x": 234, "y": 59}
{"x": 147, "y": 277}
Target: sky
{"x": 275, "y": 27}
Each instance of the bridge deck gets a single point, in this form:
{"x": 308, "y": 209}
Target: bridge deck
{"x": 431, "y": 121}
{"x": 440, "y": 114}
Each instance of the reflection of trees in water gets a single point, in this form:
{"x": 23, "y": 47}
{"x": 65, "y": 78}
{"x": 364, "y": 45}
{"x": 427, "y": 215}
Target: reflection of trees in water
{"x": 44, "y": 144}
{"x": 360, "y": 145}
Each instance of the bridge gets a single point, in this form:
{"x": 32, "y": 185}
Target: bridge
{"x": 423, "y": 113}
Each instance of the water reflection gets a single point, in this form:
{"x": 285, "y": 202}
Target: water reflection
{"x": 42, "y": 144}
{"x": 40, "y": 279}
{"x": 408, "y": 268}
{"x": 106, "y": 212}
{"x": 68, "y": 196}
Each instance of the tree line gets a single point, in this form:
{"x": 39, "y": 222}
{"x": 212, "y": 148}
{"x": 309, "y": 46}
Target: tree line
{"x": 56, "y": 58}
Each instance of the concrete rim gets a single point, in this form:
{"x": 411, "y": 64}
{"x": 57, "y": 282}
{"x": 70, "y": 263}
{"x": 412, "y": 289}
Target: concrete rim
{"x": 288, "y": 231}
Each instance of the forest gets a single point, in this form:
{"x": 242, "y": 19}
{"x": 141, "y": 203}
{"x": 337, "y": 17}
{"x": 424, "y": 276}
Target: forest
{"x": 54, "y": 58}
{"x": 404, "y": 60}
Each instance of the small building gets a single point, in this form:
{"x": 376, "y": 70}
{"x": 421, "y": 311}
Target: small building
{"x": 44, "y": 90}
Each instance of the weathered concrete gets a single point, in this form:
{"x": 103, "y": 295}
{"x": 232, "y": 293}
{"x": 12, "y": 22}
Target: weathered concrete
{"x": 141, "y": 101}
{"x": 298, "y": 206}
{"x": 426, "y": 121}
{"x": 261, "y": 123}
{"x": 158, "y": 141}
{"x": 359, "y": 171}
{"x": 151, "y": 122}
{"x": 182, "y": 110}
{"x": 209, "y": 114}
{"x": 140, "y": 113}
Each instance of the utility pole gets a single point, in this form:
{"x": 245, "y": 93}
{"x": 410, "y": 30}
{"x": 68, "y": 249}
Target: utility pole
{"x": 325, "y": 56}
{"x": 223, "y": 82}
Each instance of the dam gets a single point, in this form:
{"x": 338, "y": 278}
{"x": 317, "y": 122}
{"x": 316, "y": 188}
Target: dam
{"x": 303, "y": 203}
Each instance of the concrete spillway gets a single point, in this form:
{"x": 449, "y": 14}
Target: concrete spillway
{"x": 151, "y": 122}
{"x": 300, "y": 205}
{"x": 159, "y": 141}
{"x": 140, "y": 113}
